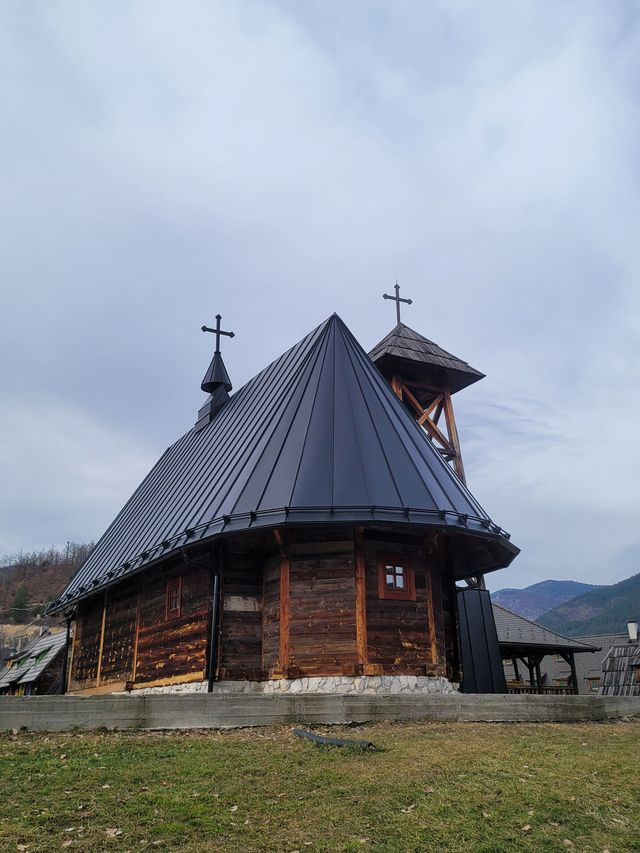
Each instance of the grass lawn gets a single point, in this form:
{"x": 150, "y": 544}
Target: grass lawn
{"x": 433, "y": 787}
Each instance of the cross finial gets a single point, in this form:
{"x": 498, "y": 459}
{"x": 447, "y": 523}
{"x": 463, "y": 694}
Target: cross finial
{"x": 397, "y": 299}
{"x": 218, "y": 331}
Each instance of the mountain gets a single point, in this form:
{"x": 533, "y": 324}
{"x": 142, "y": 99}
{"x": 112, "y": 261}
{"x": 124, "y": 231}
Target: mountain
{"x": 605, "y": 610}
{"x": 541, "y": 597}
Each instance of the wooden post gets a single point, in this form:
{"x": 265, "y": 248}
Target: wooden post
{"x": 361, "y": 597}
{"x": 516, "y": 671}
{"x": 285, "y": 604}
{"x": 431, "y": 545}
{"x": 396, "y": 386}
{"x": 101, "y": 646}
{"x": 452, "y": 429}
{"x": 529, "y": 664}
{"x": 65, "y": 660}
{"x": 73, "y": 651}
{"x": 570, "y": 659}
{"x": 134, "y": 667}
{"x": 538, "y": 674}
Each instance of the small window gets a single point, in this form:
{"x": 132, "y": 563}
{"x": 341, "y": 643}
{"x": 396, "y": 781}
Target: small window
{"x": 395, "y": 578}
{"x": 174, "y": 598}
{"x": 637, "y": 674}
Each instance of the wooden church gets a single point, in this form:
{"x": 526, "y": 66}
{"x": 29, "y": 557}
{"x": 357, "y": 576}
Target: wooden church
{"x": 306, "y": 534}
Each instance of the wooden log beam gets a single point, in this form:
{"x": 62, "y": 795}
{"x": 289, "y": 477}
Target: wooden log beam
{"x": 361, "y": 597}
{"x": 134, "y": 665}
{"x": 285, "y": 602}
{"x": 433, "y": 405}
{"x": 417, "y": 405}
{"x": 452, "y": 429}
{"x": 431, "y": 551}
{"x": 101, "y": 646}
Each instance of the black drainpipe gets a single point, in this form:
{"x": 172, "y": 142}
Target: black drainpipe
{"x": 65, "y": 659}
{"x": 215, "y": 621}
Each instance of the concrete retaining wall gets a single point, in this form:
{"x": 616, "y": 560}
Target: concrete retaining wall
{"x": 64, "y": 713}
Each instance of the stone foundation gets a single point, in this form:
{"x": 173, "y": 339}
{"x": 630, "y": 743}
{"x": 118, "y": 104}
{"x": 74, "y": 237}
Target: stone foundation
{"x": 345, "y": 685}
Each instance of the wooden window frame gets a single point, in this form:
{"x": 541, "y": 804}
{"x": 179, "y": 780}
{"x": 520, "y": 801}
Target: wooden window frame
{"x": 172, "y": 584}
{"x": 406, "y": 594}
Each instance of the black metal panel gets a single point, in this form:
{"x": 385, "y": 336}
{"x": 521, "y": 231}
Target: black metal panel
{"x": 481, "y": 657}
{"x": 317, "y": 437}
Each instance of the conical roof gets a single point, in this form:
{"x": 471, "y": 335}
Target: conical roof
{"x": 316, "y": 437}
{"x": 405, "y": 346}
{"x": 216, "y": 375}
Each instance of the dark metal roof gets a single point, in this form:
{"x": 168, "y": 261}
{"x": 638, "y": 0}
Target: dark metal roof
{"x": 409, "y": 346}
{"x": 517, "y": 632}
{"x": 316, "y": 437}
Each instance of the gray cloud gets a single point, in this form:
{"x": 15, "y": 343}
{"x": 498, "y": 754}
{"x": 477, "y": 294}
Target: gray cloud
{"x": 279, "y": 161}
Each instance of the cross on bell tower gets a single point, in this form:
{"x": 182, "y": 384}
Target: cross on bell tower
{"x": 397, "y": 299}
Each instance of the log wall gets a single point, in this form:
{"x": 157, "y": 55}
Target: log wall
{"x": 176, "y": 648}
{"x": 240, "y": 644}
{"x": 271, "y": 615}
{"x": 332, "y": 620}
{"x": 124, "y": 636}
{"x": 322, "y": 628}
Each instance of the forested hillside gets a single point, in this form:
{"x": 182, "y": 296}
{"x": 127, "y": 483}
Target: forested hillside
{"x": 605, "y": 610}
{"x": 28, "y": 581}
{"x": 539, "y": 598}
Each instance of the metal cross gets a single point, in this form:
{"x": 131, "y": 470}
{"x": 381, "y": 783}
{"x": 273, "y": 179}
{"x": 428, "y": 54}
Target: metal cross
{"x": 218, "y": 331}
{"x": 397, "y": 299}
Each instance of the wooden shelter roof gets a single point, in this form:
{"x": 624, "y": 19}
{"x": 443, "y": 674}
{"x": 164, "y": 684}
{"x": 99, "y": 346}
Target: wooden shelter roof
{"x": 29, "y": 665}
{"x": 317, "y": 437}
{"x": 413, "y": 349}
{"x": 517, "y": 633}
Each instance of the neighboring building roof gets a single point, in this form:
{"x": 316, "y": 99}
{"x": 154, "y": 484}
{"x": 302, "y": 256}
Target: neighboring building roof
{"x": 516, "y": 632}
{"x": 316, "y": 437}
{"x": 33, "y": 661}
{"x": 406, "y": 344}
{"x": 619, "y": 671}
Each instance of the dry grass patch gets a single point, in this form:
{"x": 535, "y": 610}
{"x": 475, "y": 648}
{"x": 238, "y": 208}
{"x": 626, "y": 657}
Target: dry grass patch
{"x": 433, "y": 787}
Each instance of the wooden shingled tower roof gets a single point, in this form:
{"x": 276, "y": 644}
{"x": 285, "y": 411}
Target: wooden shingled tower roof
{"x": 317, "y": 437}
{"x": 424, "y": 357}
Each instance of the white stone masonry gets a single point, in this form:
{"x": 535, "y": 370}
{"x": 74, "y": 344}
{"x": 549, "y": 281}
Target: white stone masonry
{"x": 334, "y": 684}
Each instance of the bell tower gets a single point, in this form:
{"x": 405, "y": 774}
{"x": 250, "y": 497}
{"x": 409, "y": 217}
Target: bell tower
{"x": 425, "y": 377}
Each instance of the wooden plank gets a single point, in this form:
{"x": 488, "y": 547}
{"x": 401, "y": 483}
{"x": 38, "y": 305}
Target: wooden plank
{"x": 242, "y": 603}
{"x": 101, "y": 646}
{"x": 111, "y": 687}
{"x": 185, "y": 678}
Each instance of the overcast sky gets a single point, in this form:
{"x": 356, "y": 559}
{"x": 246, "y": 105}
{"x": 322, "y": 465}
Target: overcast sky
{"x": 276, "y": 162}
